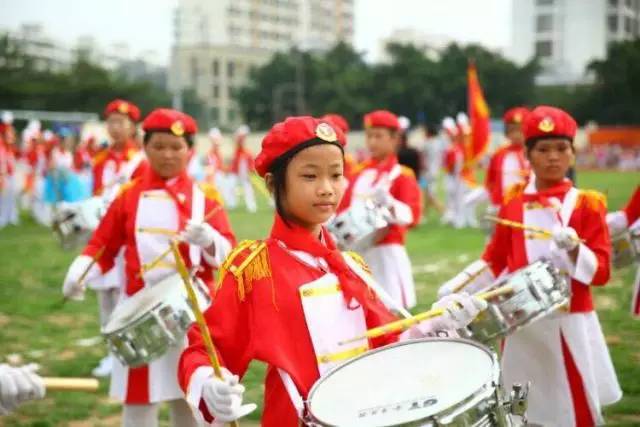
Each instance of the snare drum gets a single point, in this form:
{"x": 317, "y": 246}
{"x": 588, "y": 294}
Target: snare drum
{"x": 539, "y": 289}
{"x": 625, "y": 248}
{"x": 74, "y": 223}
{"x": 359, "y": 227}
{"x": 145, "y": 326}
{"x": 428, "y": 382}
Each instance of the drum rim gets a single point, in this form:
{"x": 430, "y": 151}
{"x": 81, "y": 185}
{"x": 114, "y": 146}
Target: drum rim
{"x": 495, "y": 374}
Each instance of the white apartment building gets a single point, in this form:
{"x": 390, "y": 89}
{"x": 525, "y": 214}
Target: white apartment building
{"x": 217, "y": 42}
{"x": 568, "y": 34}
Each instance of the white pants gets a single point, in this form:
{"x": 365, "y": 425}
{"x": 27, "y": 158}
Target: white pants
{"x": 249, "y": 196}
{"x": 454, "y": 213}
{"x": 391, "y": 268}
{"x": 9, "y": 202}
{"x": 147, "y": 415}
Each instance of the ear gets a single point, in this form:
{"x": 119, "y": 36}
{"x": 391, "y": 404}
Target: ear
{"x": 268, "y": 180}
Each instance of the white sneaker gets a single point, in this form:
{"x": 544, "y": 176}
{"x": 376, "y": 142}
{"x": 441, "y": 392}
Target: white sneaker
{"x": 104, "y": 367}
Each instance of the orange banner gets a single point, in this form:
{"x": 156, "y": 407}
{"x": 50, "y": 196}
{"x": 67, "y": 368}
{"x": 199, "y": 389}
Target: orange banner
{"x": 478, "y": 116}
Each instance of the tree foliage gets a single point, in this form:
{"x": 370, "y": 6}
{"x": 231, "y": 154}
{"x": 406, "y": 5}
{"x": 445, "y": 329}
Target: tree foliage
{"x": 411, "y": 84}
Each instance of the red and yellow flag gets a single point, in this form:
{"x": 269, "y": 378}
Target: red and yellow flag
{"x": 478, "y": 116}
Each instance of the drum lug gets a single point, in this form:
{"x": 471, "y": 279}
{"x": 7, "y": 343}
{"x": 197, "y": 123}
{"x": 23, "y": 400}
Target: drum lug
{"x": 518, "y": 401}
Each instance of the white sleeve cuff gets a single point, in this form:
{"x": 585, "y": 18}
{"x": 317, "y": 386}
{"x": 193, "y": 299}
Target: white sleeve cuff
{"x": 196, "y": 382}
{"x": 586, "y": 265}
{"x": 402, "y": 214}
{"x": 222, "y": 249}
{"x": 617, "y": 222}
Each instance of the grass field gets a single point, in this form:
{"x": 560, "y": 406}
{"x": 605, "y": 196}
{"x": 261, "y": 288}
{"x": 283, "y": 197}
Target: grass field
{"x": 32, "y": 267}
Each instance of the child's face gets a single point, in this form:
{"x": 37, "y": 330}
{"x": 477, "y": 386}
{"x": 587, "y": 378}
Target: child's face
{"x": 551, "y": 158}
{"x": 314, "y": 185}
{"x": 168, "y": 154}
{"x": 513, "y": 131}
{"x": 119, "y": 127}
{"x": 381, "y": 142}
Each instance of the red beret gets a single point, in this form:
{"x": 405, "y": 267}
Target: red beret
{"x": 545, "y": 122}
{"x": 381, "y": 119}
{"x": 123, "y": 107}
{"x": 287, "y": 135}
{"x": 515, "y": 115}
{"x": 338, "y": 120}
{"x": 170, "y": 121}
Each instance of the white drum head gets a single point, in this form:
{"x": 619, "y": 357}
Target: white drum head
{"x": 401, "y": 383}
{"x": 139, "y": 304}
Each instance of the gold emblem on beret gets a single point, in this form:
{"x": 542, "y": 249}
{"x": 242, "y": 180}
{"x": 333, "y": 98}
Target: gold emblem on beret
{"x": 367, "y": 122}
{"x": 546, "y": 125}
{"x": 517, "y": 118}
{"x": 177, "y": 128}
{"x": 325, "y": 132}
{"x": 123, "y": 108}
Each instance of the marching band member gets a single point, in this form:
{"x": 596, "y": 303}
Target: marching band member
{"x": 508, "y": 165}
{"x": 19, "y": 385}
{"x": 161, "y": 201}
{"x": 288, "y": 300}
{"x": 8, "y": 180}
{"x": 453, "y": 163}
{"x": 215, "y": 163}
{"x": 241, "y": 169}
{"x": 393, "y": 186}
{"x": 113, "y": 167}
{"x": 618, "y": 222}
{"x": 564, "y": 355}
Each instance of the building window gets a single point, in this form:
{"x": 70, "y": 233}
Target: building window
{"x": 544, "y": 2}
{"x": 230, "y": 69}
{"x": 215, "y": 114}
{"x": 628, "y": 26}
{"x": 232, "y": 115}
{"x": 612, "y": 23}
{"x": 613, "y": 3}
{"x": 215, "y": 68}
{"x": 216, "y": 91}
{"x": 544, "y": 23}
{"x": 544, "y": 48}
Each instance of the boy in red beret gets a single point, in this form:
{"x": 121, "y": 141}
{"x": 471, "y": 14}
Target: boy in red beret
{"x": 563, "y": 355}
{"x": 508, "y": 165}
{"x": 268, "y": 306}
{"x": 148, "y": 212}
{"x": 393, "y": 186}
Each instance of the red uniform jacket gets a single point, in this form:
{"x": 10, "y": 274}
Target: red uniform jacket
{"x": 498, "y": 180}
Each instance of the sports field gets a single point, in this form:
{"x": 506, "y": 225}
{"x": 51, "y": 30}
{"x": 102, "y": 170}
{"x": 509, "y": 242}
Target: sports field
{"x": 64, "y": 340}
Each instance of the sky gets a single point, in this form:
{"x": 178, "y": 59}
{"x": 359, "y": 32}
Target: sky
{"x": 147, "y": 24}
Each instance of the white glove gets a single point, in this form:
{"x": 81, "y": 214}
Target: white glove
{"x": 460, "y": 310}
{"x": 224, "y": 397}
{"x": 72, "y": 288}
{"x": 18, "y": 385}
{"x": 483, "y": 277}
{"x": 199, "y": 234}
{"x": 565, "y": 238}
{"x": 381, "y": 197}
{"x": 617, "y": 222}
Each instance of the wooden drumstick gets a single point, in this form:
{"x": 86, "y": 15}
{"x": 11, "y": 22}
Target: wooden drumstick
{"x": 202, "y": 324}
{"x": 521, "y": 226}
{"x": 400, "y": 325}
{"x": 70, "y": 384}
{"x": 150, "y": 265}
{"x": 469, "y": 279}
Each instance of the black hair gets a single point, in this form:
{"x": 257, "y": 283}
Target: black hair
{"x": 147, "y": 136}
{"x": 278, "y": 170}
{"x": 531, "y": 142}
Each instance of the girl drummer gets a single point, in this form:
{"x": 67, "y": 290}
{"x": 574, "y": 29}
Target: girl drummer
{"x": 148, "y": 212}
{"x": 563, "y": 356}
{"x": 290, "y": 299}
